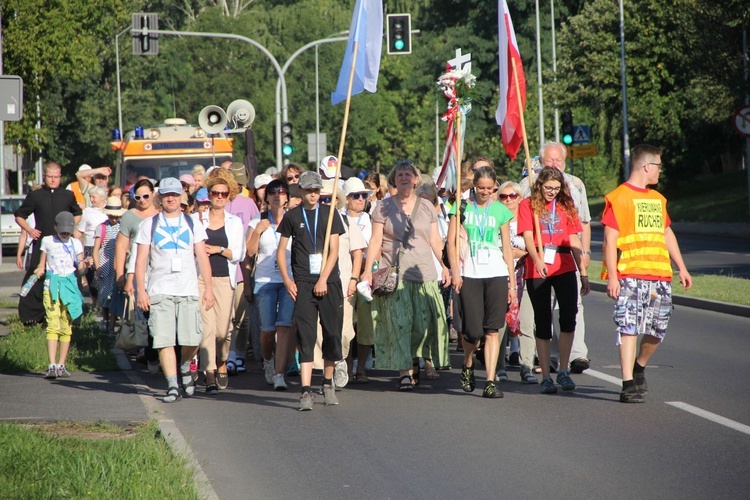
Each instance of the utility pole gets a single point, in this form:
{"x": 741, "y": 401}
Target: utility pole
{"x": 539, "y": 76}
{"x": 554, "y": 69}
{"x": 746, "y": 63}
{"x": 625, "y": 138}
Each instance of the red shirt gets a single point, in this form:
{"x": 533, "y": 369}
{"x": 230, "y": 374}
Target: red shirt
{"x": 555, "y": 232}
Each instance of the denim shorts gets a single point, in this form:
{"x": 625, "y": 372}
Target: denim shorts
{"x": 275, "y": 306}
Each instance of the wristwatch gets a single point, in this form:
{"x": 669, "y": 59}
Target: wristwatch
{"x": 221, "y": 250}
{"x": 587, "y": 252}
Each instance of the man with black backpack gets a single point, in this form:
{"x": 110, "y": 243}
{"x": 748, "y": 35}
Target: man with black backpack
{"x": 168, "y": 245}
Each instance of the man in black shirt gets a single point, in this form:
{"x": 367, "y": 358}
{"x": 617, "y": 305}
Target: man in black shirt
{"x": 45, "y": 203}
{"x": 316, "y": 288}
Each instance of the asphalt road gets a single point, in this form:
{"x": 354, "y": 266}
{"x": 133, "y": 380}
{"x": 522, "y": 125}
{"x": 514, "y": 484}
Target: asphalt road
{"x": 439, "y": 442}
{"x": 702, "y": 254}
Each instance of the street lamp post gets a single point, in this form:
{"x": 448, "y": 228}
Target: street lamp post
{"x": 625, "y": 138}
{"x": 279, "y": 88}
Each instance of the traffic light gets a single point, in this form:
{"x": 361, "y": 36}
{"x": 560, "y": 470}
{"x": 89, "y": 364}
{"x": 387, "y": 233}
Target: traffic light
{"x": 567, "y": 128}
{"x": 399, "y": 34}
{"x": 287, "y": 140}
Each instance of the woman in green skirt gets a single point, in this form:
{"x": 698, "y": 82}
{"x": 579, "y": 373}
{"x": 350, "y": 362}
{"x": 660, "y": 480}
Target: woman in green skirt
{"x": 410, "y": 322}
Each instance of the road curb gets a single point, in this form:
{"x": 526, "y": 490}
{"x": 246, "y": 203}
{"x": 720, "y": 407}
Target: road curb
{"x": 167, "y": 427}
{"x": 704, "y": 304}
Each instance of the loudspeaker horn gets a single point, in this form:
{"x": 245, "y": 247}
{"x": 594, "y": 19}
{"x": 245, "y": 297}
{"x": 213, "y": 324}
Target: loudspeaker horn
{"x": 241, "y": 113}
{"x": 212, "y": 119}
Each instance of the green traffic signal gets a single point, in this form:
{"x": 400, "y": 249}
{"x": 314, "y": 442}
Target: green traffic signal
{"x": 287, "y": 150}
{"x": 567, "y": 139}
{"x": 399, "y": 45}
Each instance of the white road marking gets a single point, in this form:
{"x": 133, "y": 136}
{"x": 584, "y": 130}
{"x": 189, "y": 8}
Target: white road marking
{"x": 713, "y": 417}
{"x": 725, "y": 253}
{"x": 603, "y": 376}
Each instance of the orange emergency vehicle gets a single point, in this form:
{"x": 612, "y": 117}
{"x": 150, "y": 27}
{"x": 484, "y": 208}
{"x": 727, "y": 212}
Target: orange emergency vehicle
{"x": 168, "y": 150}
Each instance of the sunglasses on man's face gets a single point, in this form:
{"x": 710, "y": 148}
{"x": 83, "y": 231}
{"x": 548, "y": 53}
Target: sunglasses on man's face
{"x": 358, "y": 196}
{"x": 138, "y": 197}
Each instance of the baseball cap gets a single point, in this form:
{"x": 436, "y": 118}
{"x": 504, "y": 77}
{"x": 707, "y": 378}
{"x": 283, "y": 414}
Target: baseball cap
{"x": 262, "y": 180}
{"x": 327, "y": 166}
{"x": 187, "y": 179}
{"x": 84, "y": 167}
{"x": 310, "y": 180}
{"x": 201, "y": 196}
{"x": 170, "y": 185}
{"x": 65, "y": 222}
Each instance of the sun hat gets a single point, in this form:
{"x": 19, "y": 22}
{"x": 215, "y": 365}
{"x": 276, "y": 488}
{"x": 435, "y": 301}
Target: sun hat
{"x": 239, "y": 172}
{"x": 355, "y": 185}
{"x": 114, "y": 207}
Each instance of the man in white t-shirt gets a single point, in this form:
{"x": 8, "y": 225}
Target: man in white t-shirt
{"x": 168, "y": 285}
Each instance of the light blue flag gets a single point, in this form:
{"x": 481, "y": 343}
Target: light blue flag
{"x": 367, "y": 29}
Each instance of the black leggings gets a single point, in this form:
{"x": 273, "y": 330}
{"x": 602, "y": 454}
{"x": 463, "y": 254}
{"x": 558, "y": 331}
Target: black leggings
{"x": 540, "y": 294}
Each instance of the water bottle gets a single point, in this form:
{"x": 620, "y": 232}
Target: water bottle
{"x": 29, "y": 283}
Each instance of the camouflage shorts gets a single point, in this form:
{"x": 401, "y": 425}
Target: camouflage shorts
{"x": 643, "y": 307}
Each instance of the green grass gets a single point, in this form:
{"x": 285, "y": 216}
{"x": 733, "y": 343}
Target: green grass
{"x": 8, "y": 304}
{"x": 720, "y": 288}
{"x": 73, "y": 460}
{"x": 25, "y": 349}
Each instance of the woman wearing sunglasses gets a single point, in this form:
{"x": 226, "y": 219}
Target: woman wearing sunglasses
{"x": 143, "y": 208}
{"x": 509, "y": 195}
{"x": 275, "y": 306}
{"x": 555, "y": 267}
{"x": 410, "y": 322}
{"x": 225, "y": 247}
{"x": 483, "y": 283}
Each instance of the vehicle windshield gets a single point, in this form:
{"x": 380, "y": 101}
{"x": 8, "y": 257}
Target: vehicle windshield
{"x": 159, "y": 168}
{"x": 10, "y": 205}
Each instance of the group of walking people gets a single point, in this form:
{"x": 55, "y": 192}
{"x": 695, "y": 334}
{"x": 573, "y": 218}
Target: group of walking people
{"x": 487, "y": 260}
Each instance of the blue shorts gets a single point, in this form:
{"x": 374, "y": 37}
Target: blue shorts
{"x": 275, "y": 306}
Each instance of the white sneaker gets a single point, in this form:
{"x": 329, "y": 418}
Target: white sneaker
{"x": 269, "y": 370}
{"x": 340, "y": 374}
{"x": 279, "y": 384}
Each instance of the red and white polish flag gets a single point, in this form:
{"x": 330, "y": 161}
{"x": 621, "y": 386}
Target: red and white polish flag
{"x": 508, "y": 114}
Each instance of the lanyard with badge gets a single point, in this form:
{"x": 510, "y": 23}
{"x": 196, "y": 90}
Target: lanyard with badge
{"x": 70, "y": 252}
{"x": 316, "y": 259}
{"x": 175, "y": 237}
{"x": 483, "y": 253}
{"x": 550, "y": 250}
{"x": 275, "y": 236}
